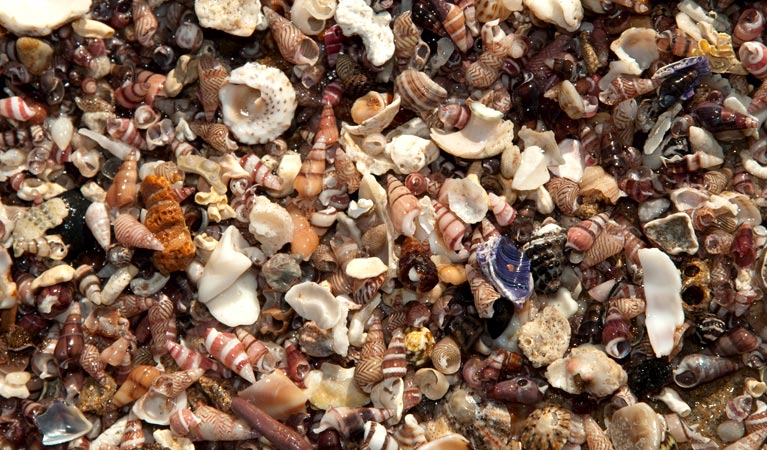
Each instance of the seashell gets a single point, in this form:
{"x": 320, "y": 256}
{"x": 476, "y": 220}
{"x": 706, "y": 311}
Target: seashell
{"x": 294, "y": 46}
{"x": 346, "y": 171}
{"x": 188, "y": 359}
{"x": 123, "y": 190}
{"x": 145, "y": 22}
{"x": 616, "y": 334}
{"x": 636, "y": 49}
{"x": 507, "y": 269}
{"x": 664, "y": 311}
{"x": 350, "y": 421}
{"x": 518, "y": 390}
{"x": 418, "y": 92}
{"x": 756, "y": 420}
{"x": 210, "y": 424}
{"x": 69, "y": 347}
{"x": 565, "y": 194}
{"x": 258, "y": 103}
{"x": 62, "y": 423}
{"x": 368, "y": 106}
{"x": 156, "y": 408}
{"x": 165, "y": 219}
{"x": 90, "y": 361}
{"x": 225, "y": 348}
{"x": 132, "y": 233}
{"x": 277, "y": 395}
{"x": 454, "y": 23}
{"x": 628, "y": 307}
{"x": 446, "y": 356}
{"x": 394, "y": 363}
{"x": 673, "y": 233}
{"x": 739, "y": 408}
{"x": 379, "y": 121}
{"x": 547, "y": 428}
{"x": 258, "y": 354}
{"x": 605, "y": 245}
{"x": 697, "y": 369}
{"x": 736, "y": 341}
{"x": 586, "y": 370}
{"x": 16, "y": 108}
{"x": 595, "y": 436}
{"x": 375, "y": 437}
{"x": 368, "y": 371}
{"x": 315, "y": 302}
{"x": 406, "y": 36}
{"x": 452, "y": 441}
{"x": 450, "y": 226}
{"x": 260, "y": 173}
{"x": 334, "y": 385}
{"x": 215, "y": 134}
{"x": 636, "y": 427}
{"x": 753, "y": 56}
{"x": 212, "y": 76}
{"x": 403, "y": 205}
{"x": 139, "y": 381}
{"x": 357, "y": 18}
{"x": 133, "y": 436}
{"x": 623, "y": 88}
{"x": 126, "y": 131}
{"x": 416, "y": 270}
{"x": 545, "y": 249}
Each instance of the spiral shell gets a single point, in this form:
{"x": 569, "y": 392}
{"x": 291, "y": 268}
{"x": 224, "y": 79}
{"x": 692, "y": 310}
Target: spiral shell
{"x": 188, "y": 359}
{"x": 70, "y": 343}
{"x": 212, "y": 75}
{"x": 308, "y": 182}
{"x": 749, "y": 26}
{"x": 126, "y": 131}
{"x": 145, "y": 22}
{"x": 483, "y": 292}
{"x": 406, "y": 36}
{"x": 375, "y": 437}
{"x": 137, "y": 384}
{"x": 354, "y": 79}
{"x": 410, "y": 435}
{"x": 215, "y": 134}
{"x": 368, "y": 370}
{"x": 446, "y": 356}
{"x": 394, "y": 364}
{"x": 403, "y": 205}
{"x": 91, "y": 362}
{"x": 162, "y": 324}
{"x": 450, "y": 226}
{"x": 260, "y": 173}
{"x": 16, "y": 108}
{"x": 753, "y": 56}
{"x": 581, "y": 237}
{"x": 418, "y": 92}
{"x": 258, "y": 354}
{"x": 547, "y": 428}
{"x": 454, "y": 22}
{"x": 123, "y": 190}
{"x": 294, "y": 45}
{"x": 227, "y": 349}
{"x": 132, "y": 233}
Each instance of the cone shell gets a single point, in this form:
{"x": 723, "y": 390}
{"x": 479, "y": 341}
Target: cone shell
{"x": 137, "y": 384}
{"x": 132, "y": 233}
{"x": 394, "y": 364}
{"x": 212, "y": 75}
{"x": 418, "y": 91}
{"x": 294, "y": 45}
{"x": 403, "y": 205}
{"x": 454, "y": 23}
{"x": 227, "y": 349}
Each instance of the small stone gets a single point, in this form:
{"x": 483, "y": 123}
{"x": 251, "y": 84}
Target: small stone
{"x": 636, "y": 427}
{"x": 586, "y": 369}
{"x": 39, "y": 17}
{"x": 36, "y": 55}
{"x": 546, "y": 338}
{"x": 237, "y": 17}
{"x": 674, "y": 234}
{"x": 730, "y": 430}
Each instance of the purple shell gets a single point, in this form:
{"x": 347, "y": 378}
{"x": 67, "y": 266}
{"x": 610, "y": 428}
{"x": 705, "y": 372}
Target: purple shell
{"x": 699, "y": 63}
{"x": 507, "y": 268}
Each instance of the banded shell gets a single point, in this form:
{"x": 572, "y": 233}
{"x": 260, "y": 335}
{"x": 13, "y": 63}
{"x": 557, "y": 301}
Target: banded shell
{"x": 132, "y": 233}
{"x": 418, "y": 92}
{"x": 547, "y": 428}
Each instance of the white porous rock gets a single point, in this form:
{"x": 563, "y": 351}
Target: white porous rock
{"x": 237, "y": 17}
{"x": 14, "y": 385}
{"x": 40, "y": 17}
{"x": 270, "y": 224}
{"x": 567, "y": 14}
{"x": 662, "y": 287}
{"x": 546, "y": 338}
{"x": 586, "y": 369}
{"x": 357, "y": 17}
{"x": 411, "y": 153}
{"x": 258, "y": 103}
{"x": 315, "y": 302}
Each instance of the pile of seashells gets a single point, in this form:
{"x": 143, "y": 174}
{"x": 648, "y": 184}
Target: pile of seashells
{"x": 494, "y": 224}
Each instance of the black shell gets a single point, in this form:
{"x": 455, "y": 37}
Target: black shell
{"x": 546, "y": 253}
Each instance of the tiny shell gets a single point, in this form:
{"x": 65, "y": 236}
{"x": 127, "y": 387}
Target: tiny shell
{"x": 468, "y": 200}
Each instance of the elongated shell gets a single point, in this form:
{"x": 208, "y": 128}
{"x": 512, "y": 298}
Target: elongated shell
{"x": 258, "y": 354}
{"x": 123, "y": 190}
{"x": 16, "y": 108}
{"x": 368, "y": 371}
{"x": 394, "y": 364}
{"x": 212, "y": 75}
{"x": 450, "y": 226}
{"x": 403, "y": 205}
{"x": 697, "y": 369}
{"x": 210, "y": 424}
{"x": 227, "y": 349}
{"x": 132, "y": 233}
{"x": 215, "y": 134}
{"x": 454, "y": 23}
{"x": 137, "y": 384}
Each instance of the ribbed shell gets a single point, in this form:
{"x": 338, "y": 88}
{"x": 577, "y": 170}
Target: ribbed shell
{"x": 294, "y": 45}
{"x": 91, "y": 362}
{"x": 547, "y": 428}
{"x": 403, "y": 206}
{"x": 565, "y": 194}
{"x": 162, "y": 324}
{"x": 258, "y": 354}
{"x": 394, "y": 364}
{"x": 368, "y": 370}
{"x": 173, "y": 384}
{"x": 595, "y": 436}
{"x": 215, "y": 134}
{"x": 138, "y": 382}
{"x": 227, "y": 349}
{"x": 347, "y": 172}
{"x": 410, "y": 434}
{"x": 581, "y": 237}
{"x": 133, "y": 437}
{"x": 483, "y": 292}
{"x": 376, "y": 437}
{"x": 356, "y": 82}
{"x": 212, "y": 75}
{"x": 406, "y": 36}
{"x": 450, "y": 226}
{"x": 605, "y": 246}
{"x": 145, "y": 22}
{"x": 132, "y": 233}
{"x": 418, "y": 92}
{"x": 308, "y": 182}
{"x": 446, "y": 356}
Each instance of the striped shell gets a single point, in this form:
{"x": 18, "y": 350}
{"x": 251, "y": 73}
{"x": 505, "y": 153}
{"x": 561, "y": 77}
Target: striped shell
{"x": 145, "y": 22}
{"x": 595, "y": 436}
{"x": 483, "y": 292}
{"x": 16, "y": 108}
{"x": 410, "y": 435}
{"x": 188, "y": 359}
{"x": 565, "y": 194}
{"x": 368, "y": 370}
{"x": 487, "y": 10}
{"x": 753, "y": 56}
{"x": 454, "y": 22}
{"x": 403, "y": 206}
{"x": 126, "y": 131}
{"x": 294, "y": 45}
{"x": 450, "y": 226}
{"x": 258, "y": 354}
{"x": 162, "y": 324}
{"x": 132, "y": 233}
{"x": 227, "y": 349}
{"x": 406, "y": 36}
{"x": 394, "y": 364}
{"x": 260, "y": 173}
{"x": 418, "y": 91}
{"x": 605, "y": 246}
{"x": 174, "y": 384}
{"x": 581, "y": 237}
{"x": 115, "y": 354}
{"x": 376, "y": 437}
{"x": 212, "y": 75}
{"x": 215, "y": 134}
{"x": 308, "y": 182}
{"x": 133, "y": 437}
{"x": 347, "y": 172}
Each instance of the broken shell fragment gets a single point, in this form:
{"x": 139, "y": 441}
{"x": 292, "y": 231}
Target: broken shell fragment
{"x": 314, "y": 302}
{"x": 586, "y": 369}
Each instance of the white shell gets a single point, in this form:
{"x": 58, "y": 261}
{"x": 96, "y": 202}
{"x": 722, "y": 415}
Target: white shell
{"x": 567, "y": 14}
{"x": 270, "y": 224}
{"x": 14, "y": 384}
{"x": 364, "y": 268}
{"x": 224, "y": 266}
{"x": 156, "y": 408}
{"x": 702, "y": 140}
{"x": 310, "y": 15}
{"x": 636, "y": 50}
{"x": 485, "y": 135}
{"x": 40, "y": 17}
{"x": 586, "y": 369}
{"x": 533, "y": 172}
{"x": 379, "y": 122}
{"x": 467, "y": 199}
{"x": 388, "y": 394}
{"x": 166, "y": 438}
{"x": 237, "y": 17}
{"x": 572, "y": 160}
{"x": 62, "y": 131}
{"x": 238, "y": 304}
{"x": 314, "y": 302}
{"x": 411, "y": 153}
{"x": 662, "y": 286}
{"x": 258, "y": 103}
{"x": 687, "y": 198}
{"x": 674, "y": 401}
{"x": 333, "y": 385}
{"x": 356, "y": 17}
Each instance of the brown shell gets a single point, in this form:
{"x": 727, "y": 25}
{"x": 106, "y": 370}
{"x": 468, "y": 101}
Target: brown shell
{"x": 138, "y": 382}
{"x": 215, "y": 134}
{"x": 212, "y": 76}
{"x": 547, "y": 428}
{"x": 418, "y": 91}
